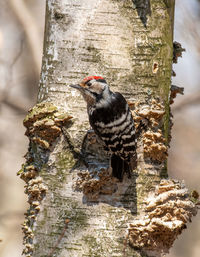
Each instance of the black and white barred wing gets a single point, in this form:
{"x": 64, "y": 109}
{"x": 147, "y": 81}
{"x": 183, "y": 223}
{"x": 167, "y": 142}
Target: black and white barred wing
{"x": 114, "y": 124}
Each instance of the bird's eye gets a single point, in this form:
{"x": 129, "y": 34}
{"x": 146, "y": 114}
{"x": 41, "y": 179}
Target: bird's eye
{"x": 89, "y": 83}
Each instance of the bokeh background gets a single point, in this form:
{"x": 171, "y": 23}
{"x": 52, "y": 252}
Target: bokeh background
{"x": 21, "y": 38}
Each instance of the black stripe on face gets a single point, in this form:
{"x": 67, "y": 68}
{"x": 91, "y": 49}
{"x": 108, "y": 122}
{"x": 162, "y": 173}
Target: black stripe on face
{"x": 97, "y": 96}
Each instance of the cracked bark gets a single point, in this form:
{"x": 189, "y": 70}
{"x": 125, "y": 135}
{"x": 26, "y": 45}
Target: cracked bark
{"x": 108, "y": 38}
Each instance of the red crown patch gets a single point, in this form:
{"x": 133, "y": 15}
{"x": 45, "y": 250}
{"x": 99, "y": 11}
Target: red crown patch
{"x": 92, "y": 77}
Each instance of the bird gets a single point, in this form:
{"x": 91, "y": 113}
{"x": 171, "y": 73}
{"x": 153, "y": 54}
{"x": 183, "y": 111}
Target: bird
{"x": 111, "y": 119}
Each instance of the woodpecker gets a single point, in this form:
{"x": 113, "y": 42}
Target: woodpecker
{"x": 112, "y": 121}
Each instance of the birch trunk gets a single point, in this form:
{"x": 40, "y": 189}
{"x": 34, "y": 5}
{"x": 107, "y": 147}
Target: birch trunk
{"x": 82, "y": 211}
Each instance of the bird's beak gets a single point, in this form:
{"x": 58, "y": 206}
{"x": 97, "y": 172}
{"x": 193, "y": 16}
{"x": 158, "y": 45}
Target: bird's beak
{"x": 77, "y": 86}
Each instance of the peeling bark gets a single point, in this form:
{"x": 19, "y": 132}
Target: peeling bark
{"x": 108, "y": 38}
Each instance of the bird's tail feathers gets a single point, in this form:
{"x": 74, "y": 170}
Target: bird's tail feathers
{"x": 120, "y": 166}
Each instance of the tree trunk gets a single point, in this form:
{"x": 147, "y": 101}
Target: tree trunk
{"x": 76, "y": 207}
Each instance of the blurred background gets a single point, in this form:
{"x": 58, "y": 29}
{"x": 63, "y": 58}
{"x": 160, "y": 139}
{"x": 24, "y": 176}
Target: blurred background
{"x": 21, "y": 36}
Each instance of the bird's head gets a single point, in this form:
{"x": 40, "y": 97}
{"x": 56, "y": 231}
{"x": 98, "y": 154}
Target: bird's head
{"x": 94, "y": 90}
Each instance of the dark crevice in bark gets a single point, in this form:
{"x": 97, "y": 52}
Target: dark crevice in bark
{"x": 143, "y": 9}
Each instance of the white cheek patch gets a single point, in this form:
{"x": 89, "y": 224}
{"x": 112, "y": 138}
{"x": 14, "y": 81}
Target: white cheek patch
{"x": 95, "y": 87}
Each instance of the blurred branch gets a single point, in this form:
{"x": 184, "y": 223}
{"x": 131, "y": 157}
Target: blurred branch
{"x": 18, "y": 53}
{"x": 5, "y": 97}
{"x": 16, "y": 104}
{"x": 10, "y": 66}
{"x": 191, "y": 23}
{"x": 6, "y": 218}
{"x": 11, "y": 214}
{"x": 24, "y": 17}
{"x": 187, "y": 102}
